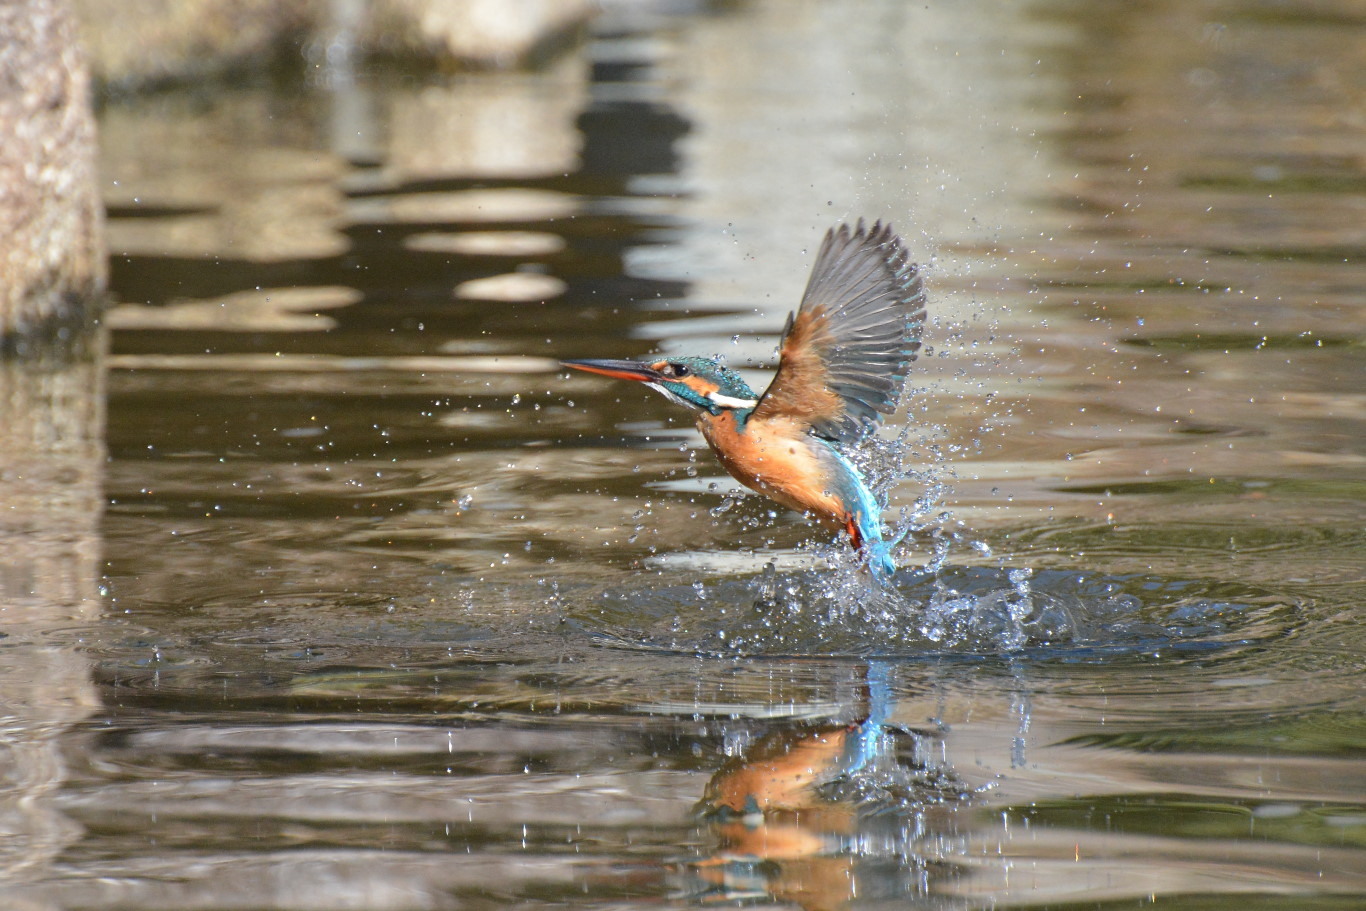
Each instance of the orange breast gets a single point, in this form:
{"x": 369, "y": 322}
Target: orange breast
{"x": 776, "y": 458}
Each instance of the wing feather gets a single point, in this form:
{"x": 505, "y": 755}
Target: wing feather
{"x": 847, "y": 350}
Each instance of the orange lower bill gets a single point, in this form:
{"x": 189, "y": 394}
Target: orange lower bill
{"x": 622, "y": 370}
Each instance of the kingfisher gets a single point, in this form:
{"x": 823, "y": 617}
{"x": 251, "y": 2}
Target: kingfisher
{"x": 843, "y": 361}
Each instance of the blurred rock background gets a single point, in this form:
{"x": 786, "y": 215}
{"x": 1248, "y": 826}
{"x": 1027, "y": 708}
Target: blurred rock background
{"x": 133, "y": 46}
{"x": 52, "y": 267}
{"x": 52, "y": 260}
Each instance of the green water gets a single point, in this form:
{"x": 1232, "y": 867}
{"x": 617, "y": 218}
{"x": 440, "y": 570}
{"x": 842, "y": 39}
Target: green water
{"x": 328, "y": 589}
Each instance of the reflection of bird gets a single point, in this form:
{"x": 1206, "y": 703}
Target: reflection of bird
{"x": 779, "y": 835}
{"x": 783, "y": 833}
{"x": 845, "y": 353}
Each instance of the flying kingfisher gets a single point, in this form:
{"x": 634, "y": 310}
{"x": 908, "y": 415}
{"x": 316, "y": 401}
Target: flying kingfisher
{"x": 843, "y": 362}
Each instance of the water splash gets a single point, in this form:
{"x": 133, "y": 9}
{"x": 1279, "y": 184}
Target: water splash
{"x": 834, "y": 608}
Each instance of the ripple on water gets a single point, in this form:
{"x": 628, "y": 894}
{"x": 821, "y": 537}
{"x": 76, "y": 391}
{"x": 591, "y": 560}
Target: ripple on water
{"x": 960, "y": 611}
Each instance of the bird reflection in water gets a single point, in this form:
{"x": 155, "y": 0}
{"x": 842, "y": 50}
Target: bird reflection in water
{"x": 821, "y": 815}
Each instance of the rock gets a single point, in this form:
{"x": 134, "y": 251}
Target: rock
{"x": 491, "y": 34}
{"x": 154, "y": 42}
{"x": 52, "y": 259}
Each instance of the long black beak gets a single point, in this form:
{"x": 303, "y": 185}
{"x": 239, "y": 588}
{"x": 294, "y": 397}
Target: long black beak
{"x": 622, "y": 370}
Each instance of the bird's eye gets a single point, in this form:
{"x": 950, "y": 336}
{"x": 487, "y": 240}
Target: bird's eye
{"x": 679, "y": 369}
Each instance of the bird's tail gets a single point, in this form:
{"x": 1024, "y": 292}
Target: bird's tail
{"x": 866, "y": 534}
{"x": 879, "y": 556}
{"x": 863, "y": 521}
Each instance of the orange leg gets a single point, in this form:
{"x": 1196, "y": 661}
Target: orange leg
{"x": 855, "y": 537}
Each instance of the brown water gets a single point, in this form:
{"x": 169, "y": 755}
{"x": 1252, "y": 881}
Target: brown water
{"x": 385, "y": 611}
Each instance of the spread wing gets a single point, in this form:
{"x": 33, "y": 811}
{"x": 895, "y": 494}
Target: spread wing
{"x": 847, "y": 349}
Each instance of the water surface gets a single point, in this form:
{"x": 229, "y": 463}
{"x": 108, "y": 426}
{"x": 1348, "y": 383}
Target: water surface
{"x": 386, "y": 611}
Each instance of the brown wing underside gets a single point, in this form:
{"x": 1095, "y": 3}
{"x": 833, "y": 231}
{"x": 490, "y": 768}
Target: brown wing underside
{"x": 847, "y": 350}
{"x": 801, "y": 388}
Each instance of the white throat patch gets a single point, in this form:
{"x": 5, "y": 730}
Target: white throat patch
{"x": 727, "y": 401}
